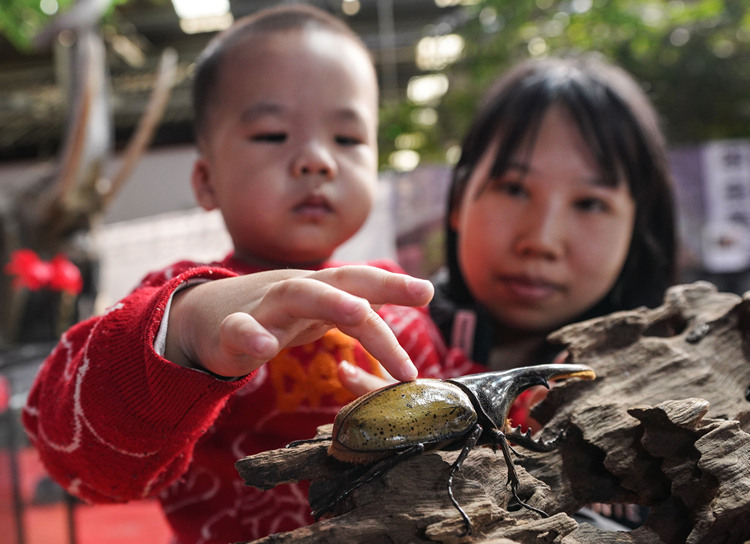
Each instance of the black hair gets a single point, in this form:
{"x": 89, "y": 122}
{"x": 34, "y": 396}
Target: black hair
{"x": 621, "y": 128}
{"x": 276, "y": 19}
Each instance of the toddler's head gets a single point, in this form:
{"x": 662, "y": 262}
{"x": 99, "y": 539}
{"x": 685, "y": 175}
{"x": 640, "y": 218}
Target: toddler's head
{"x": 286, "y": 111}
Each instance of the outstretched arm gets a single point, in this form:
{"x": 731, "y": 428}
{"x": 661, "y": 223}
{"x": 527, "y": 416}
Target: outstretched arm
{"x": 106, "y": 393}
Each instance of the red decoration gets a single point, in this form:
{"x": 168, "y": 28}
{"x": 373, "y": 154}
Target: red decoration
{"x": 4, "y": 394}
{"x": 65, "y": 275}
{"x": 33, "y": 273}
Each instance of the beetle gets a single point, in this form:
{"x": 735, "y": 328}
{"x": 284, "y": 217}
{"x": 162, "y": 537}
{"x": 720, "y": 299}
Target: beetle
{"x": 404, "y": 419}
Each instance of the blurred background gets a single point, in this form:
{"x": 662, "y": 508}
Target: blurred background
{"x": 96, "y": 148}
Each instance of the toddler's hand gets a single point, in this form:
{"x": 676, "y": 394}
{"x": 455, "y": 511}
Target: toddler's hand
{"x": 232, "y": 326}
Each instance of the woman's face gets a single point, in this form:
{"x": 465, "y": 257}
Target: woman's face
{"x": 547, "y": 240}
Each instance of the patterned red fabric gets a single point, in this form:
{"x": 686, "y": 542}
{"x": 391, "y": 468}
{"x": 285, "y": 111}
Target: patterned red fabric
{"x": 113, "y": 421}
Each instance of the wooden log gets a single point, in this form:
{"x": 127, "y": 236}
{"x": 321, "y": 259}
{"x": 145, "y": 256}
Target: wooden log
{"x": 664, "y": 425}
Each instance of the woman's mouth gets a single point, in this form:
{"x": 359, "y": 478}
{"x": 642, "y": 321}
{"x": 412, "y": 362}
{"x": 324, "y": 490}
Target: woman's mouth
{"x": 528, "y": 288}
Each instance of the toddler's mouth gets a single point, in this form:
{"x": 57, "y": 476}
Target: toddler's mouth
{"x": 314, "y": 205}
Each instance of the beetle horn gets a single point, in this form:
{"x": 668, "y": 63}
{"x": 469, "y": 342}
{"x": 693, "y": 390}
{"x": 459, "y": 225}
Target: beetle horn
{"x": 495, "y": 392}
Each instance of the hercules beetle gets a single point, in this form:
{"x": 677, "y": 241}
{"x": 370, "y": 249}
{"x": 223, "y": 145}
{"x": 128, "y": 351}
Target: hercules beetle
{"x": 406, "y": 418}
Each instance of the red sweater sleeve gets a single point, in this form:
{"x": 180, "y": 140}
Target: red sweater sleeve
{"x": 104, "y": 400}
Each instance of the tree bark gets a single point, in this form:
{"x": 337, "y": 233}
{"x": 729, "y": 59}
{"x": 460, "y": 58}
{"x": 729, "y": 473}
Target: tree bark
{"x": 665, "y": 425}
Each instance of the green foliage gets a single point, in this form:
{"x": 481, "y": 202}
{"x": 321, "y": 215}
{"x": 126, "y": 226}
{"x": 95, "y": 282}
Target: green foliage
{"x": 691, "y": 56}
{"x": 21, "y": 20}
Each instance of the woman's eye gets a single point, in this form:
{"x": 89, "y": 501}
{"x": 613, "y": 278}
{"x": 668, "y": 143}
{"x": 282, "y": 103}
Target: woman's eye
{"x": 508, "y": 187}
{"x": 270, "y": 137}
{"x": 592, "y": 205}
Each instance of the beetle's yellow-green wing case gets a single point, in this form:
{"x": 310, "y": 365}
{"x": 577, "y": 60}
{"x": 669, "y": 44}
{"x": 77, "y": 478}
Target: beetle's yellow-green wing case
{"x": 407, "y": 413}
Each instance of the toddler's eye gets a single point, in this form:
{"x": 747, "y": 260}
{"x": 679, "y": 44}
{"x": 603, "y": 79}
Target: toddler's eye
{"x": 270, "y": 137}
{"x": 348, "y": 140}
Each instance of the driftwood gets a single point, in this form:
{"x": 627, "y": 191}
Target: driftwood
{"x": 664, "y": 425}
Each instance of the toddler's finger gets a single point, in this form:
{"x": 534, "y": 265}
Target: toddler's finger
{"x": 357, "y": 380}
{"x": 561, "y": 357}
{"x": 303, "y": 300}
{"x": 378, "y": 339}
{"x": 379, "y": 286}
{"x": 244, "y": 345}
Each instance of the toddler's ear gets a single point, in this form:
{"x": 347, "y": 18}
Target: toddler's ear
{"x": 200, "y": 179}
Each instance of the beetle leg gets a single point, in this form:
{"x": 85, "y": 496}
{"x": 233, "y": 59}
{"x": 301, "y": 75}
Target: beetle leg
{"x": 468, "y": 446}
{"x": 296, "y": 443}
{"x": 512, "y": 474}
{"x": 525, "y": 440}
{"x": 377, "y": 469}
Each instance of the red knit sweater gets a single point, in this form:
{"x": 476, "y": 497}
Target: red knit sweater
{"x": 114, "y": 421}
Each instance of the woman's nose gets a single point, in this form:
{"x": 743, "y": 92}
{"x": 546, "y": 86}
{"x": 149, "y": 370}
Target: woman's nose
{"x": 542, "y": 233}
{"x": 314, "y": 159}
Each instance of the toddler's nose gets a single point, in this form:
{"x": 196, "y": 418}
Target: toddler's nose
{"x": 314, "y": 159}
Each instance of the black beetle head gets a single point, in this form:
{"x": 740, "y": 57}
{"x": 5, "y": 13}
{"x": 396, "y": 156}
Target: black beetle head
{"x": 495, "y": 392}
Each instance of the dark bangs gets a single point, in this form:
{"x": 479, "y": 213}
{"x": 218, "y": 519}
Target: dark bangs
{"x": 612, "y": 142}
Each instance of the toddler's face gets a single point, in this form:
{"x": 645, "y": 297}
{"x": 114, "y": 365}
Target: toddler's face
{"x": 547, "y": 240}
{"x": 290, "y": 151}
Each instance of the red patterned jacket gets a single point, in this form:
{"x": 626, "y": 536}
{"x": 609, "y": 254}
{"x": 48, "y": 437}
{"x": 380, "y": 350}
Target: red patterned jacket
{"x": 113, "y": 421}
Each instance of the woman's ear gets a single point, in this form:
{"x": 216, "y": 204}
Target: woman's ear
{"x": 203, "y": 189}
